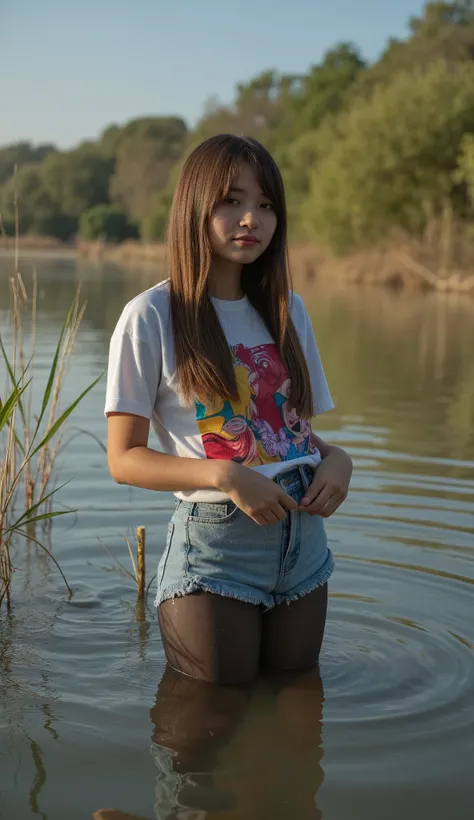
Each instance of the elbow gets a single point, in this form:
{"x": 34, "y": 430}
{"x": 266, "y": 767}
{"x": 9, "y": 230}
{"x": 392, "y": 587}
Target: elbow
{"x": 117, "y": 479}
{"x": 116, "y": 476}
{"x": 115, "y": 470}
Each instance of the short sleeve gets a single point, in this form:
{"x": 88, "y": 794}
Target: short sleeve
{"x": 322, "y": 399}
{"x": 134, "y": 369}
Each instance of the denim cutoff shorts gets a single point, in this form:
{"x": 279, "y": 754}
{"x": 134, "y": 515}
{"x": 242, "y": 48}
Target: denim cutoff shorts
{"x": 218, "y": 548}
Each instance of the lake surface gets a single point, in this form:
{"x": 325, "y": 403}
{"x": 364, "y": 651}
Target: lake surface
{"x": 389, "y": 732}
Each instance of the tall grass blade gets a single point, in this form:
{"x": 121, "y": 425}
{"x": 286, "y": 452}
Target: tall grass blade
{"x": 124, "y": 569}
{"x": 7, "y": 409}
{"x": 30, "y": 510}
{"x": 132, "y": 559}
{"x": 11, "y": 373}
{"x": 51, "y": 377}
{"x": 62, "y": 418}
{"x": 40, "y": 518}
{"x": 82, "y": 432}
{"x": 48, "y": 552}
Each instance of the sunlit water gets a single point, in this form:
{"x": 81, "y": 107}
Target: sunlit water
{"x": 391, "y": 732}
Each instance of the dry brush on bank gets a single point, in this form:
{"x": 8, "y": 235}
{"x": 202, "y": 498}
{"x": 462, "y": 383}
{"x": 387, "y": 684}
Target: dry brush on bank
{"x": 442, "y": 260}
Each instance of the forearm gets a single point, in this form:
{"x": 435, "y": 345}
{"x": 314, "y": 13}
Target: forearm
{"x": 151, "y": 470}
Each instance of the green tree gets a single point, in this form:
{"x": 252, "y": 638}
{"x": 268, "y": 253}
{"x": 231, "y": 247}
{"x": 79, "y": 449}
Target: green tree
{"x": 47, "y": 223}
{"x": 437, "y": 15}
{"x": 393, "y": 162}
{"x": 109, "y": 139}
{"x": 146, "y": 151}
{"x": 21, "y": 153}
{"x": 324, "y": 90}
{"x": 153, "y": 226}
{"x": 316, "y": 98}
{"x": 444, "y": 31}
{"x": 258, "y": 109}
{"x": 76, "y": 180}
{"x": 259, "y": 104}
{"x": 106, "y": 222}
{"x": 465, "y": 171}
{"x": 28, "y": 189}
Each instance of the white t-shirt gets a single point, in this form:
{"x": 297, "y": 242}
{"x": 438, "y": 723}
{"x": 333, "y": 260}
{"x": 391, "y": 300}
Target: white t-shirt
{"x": 260, "y": 430}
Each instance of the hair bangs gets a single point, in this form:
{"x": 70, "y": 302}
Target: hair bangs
{"x": 232, "y": 154}
{"x": 266, "y": 172}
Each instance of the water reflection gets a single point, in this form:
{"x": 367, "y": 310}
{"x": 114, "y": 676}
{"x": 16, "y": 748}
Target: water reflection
{"x": 27, "y": 707}
{"x": 249, "y": 752}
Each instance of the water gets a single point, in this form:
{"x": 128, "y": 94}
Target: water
{"x": 390, "y": 730}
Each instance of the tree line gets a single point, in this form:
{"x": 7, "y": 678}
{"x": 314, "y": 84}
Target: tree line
{"x": 364, "y": 148}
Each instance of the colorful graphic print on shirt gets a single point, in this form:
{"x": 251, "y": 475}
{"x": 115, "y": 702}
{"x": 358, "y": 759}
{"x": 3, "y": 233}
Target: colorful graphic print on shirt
{"x": 261, "y": 427}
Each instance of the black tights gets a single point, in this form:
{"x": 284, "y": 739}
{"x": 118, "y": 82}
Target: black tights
{"x": 222, "y": 640}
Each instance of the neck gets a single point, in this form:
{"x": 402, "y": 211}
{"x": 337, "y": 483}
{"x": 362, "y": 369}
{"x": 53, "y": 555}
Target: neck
{"x": 224, "y": 281}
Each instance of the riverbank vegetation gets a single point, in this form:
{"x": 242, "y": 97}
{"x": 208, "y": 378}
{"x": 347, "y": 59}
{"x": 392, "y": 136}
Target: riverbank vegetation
{"x": 378, "y": 161}
{"x": 30, "y": 429}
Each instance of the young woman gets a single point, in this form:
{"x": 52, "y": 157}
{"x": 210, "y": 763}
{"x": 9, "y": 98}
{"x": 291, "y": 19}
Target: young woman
{"x": 222, "y": 360}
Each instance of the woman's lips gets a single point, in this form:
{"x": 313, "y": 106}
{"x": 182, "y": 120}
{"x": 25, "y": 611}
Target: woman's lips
{"x": 246, "y": 242}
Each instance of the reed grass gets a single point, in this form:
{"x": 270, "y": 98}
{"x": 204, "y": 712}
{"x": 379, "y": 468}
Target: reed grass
{"x": 141, "y": 561}
{"x": 138, "y": 573}
{"x": 29, "y": 441}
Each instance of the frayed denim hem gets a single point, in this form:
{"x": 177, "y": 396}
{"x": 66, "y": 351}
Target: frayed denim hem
{"x": 227, "y": 590}
{"x": 318, "y": 580}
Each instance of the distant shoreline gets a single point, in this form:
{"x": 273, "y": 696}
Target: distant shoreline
{"x": 396, "y": 265}
{"x": 37, "y": 247}
{"x": 39, "y": 253}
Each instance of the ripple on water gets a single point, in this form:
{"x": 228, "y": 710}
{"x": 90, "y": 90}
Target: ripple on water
{"x": 398, "y": 663}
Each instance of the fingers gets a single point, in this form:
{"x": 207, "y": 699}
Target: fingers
{"x": 270, "y": 515}
{"x": 287, "y": 502}
{"x": 329, "y": 507}
{"x": 316, "y": 496}
{"x": 326, "y": 503}
{"x": 265, "y": 522}
{"x": 313, "y": 491}
{"x": 273, "y": 510}
{"x": 278, "y": 511}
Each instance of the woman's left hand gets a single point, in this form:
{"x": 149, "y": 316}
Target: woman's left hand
{"x": 330, "y": 484}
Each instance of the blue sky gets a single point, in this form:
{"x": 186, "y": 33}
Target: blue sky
{"x": 71, "y": 67}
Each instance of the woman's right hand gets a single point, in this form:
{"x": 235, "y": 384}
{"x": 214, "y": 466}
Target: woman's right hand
{"x": 257, "y": 496}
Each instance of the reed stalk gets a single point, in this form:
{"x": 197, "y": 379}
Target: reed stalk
{"x": 29, "y": 441}
{"x": 138, "y": 573}
{"x": 141, "y": 561}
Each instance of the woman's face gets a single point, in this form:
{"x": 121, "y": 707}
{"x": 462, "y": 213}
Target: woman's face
{"x": 242, "y": 225}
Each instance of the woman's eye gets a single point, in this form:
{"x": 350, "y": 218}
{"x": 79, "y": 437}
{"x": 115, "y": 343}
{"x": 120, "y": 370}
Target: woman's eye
{"x": 231, "y": 200}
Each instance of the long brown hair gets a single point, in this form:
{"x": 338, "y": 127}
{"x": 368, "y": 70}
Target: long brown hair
{"x": 203, "y": 359}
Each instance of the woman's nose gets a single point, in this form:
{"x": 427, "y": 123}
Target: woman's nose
{"x": 249, "y": 220}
